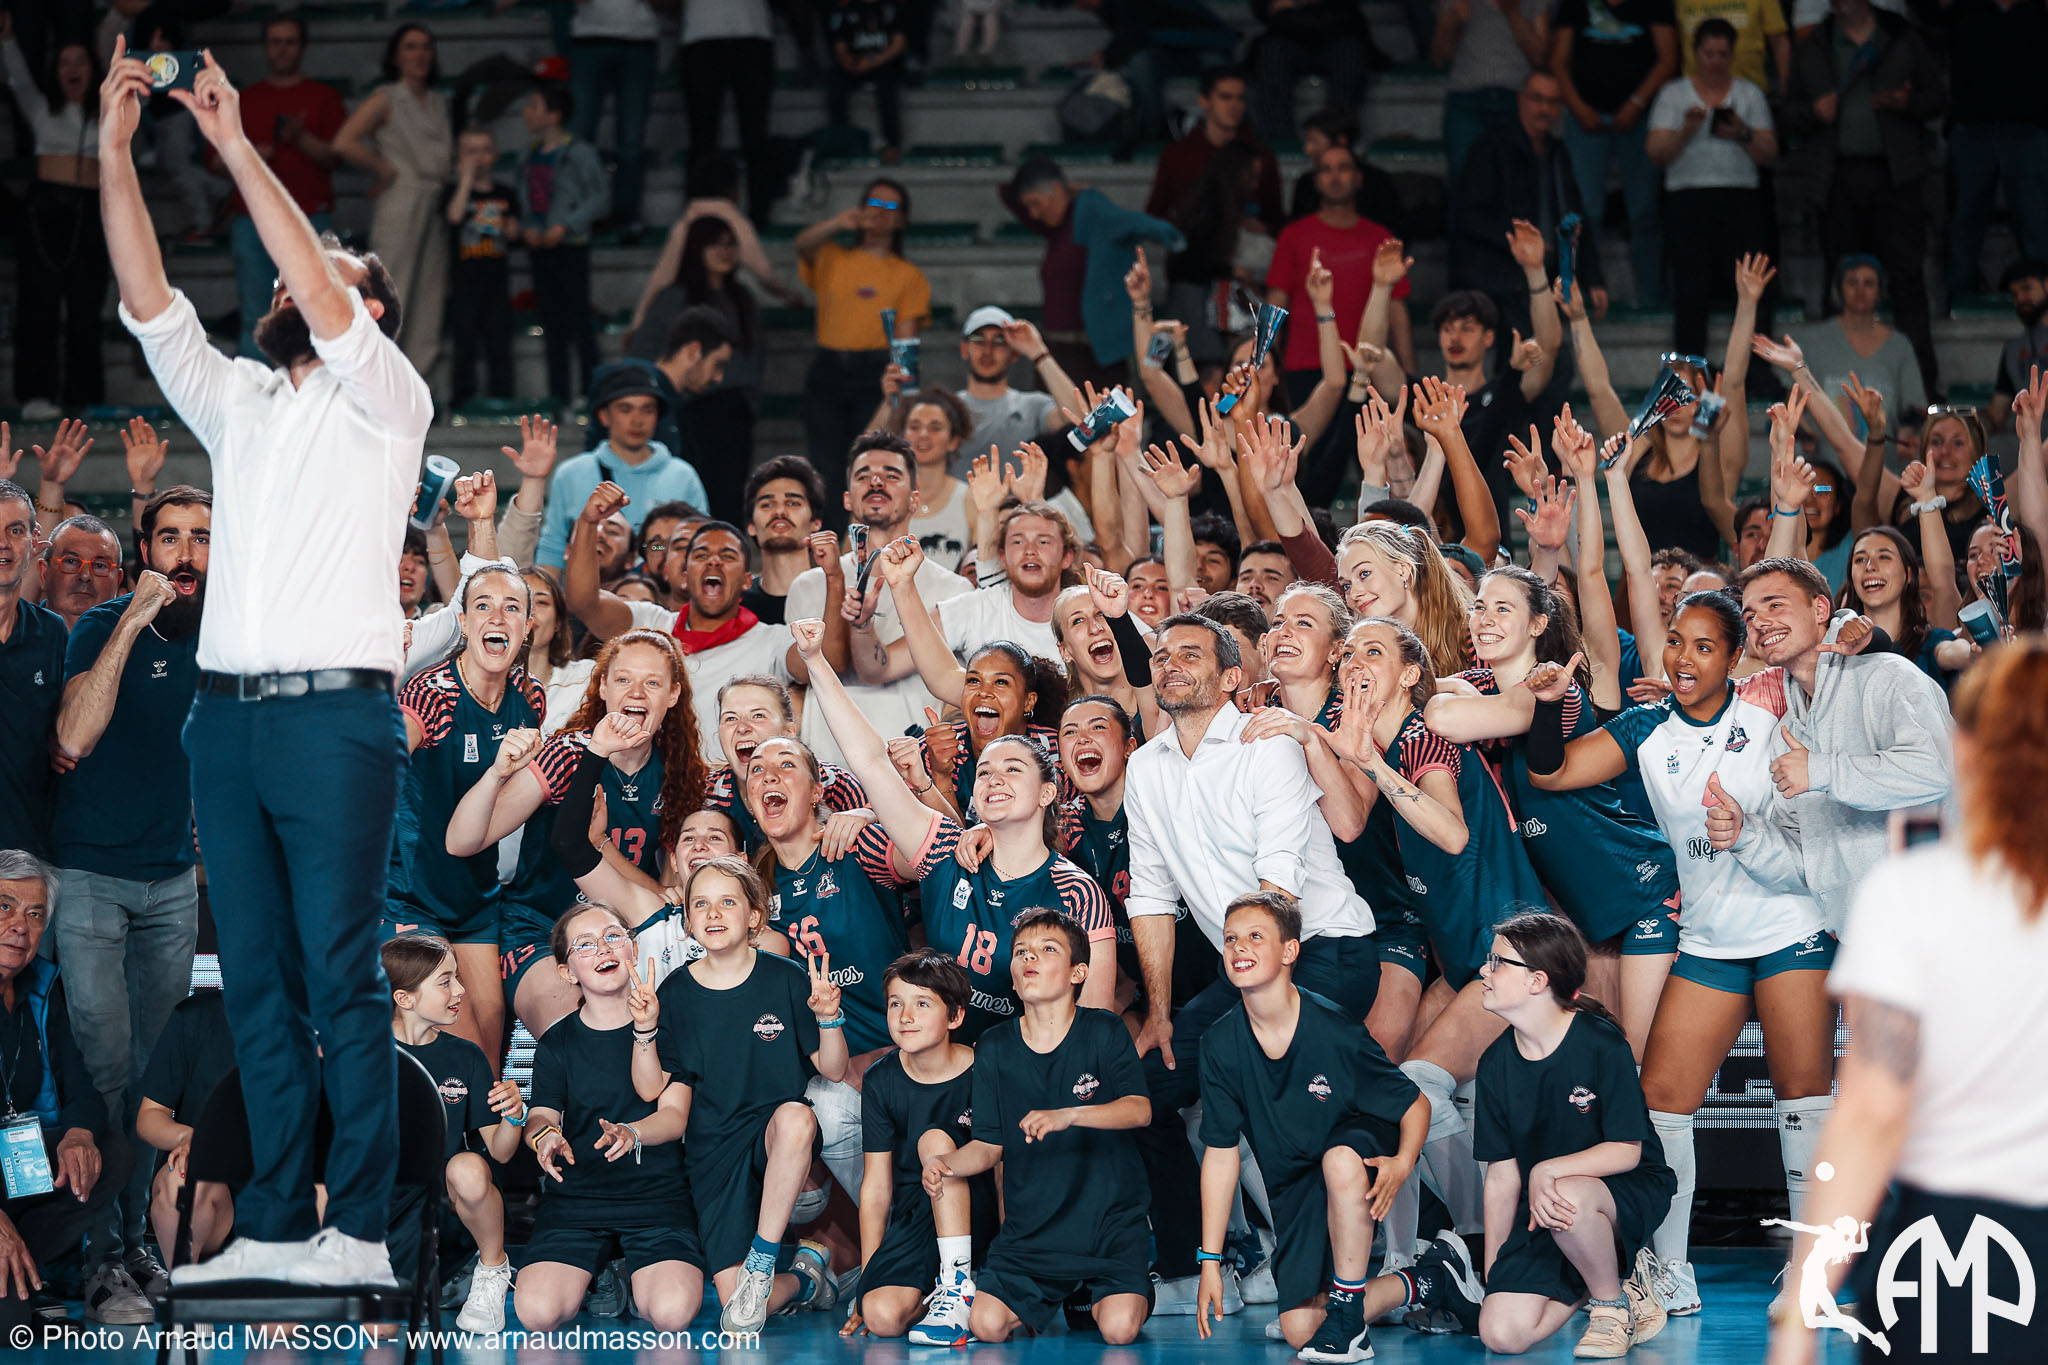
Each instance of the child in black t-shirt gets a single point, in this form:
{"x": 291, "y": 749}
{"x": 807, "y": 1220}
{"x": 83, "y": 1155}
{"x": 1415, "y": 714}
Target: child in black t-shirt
{"x": 1058, "y": 1099}
{"x": 917, "y": 1103}
{"x": 485, "y": 218}
{"x": 614, "y": 1182}
{"x": 741, "y": 1032}
{"x": 426, "y": 997}
{"x": 1575, "y": 1180}
{"x": 868, "y": 39}
{"x": 192, "y": 1055}
{"x": 1336, "y": 1129}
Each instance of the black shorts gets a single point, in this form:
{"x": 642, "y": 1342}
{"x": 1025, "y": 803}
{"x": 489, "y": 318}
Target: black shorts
{"x": 1036, "y": 1282}
{"x": 725, "y": 1186}
{"x": 1532, "y": 1263}
{"x": 909, "y": 1253}
{"x": 563, "y": 1242}
{"x": 1301, "y": 1219}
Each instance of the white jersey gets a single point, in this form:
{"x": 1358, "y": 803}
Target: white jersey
{"x": 1724, "y": 913}
{"x": 663, "y": 945}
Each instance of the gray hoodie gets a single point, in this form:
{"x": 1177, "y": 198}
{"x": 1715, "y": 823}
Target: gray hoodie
{"x": 1877, "y": 733}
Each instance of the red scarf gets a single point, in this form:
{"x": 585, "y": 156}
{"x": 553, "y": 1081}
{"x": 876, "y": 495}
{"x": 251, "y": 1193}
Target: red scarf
{"x": 697, "y": 641}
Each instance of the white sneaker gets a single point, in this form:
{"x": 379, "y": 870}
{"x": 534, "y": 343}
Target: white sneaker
{"x": 113, "y": 1297}
{"x": 484, "y": 1309}
{"x": 244, "y": 1258}
{"x": 1273, "y": 1332}
{"x": 1176, "y": 1298}
{"x": 40, "y": 410}
{"x": 1678, "y": 1288}
{"x": 333, "y": 1259}
{"x": 945, "y": 1319}
{"x": 749, "y": 1307}
{"x": 1259, "y": 1286}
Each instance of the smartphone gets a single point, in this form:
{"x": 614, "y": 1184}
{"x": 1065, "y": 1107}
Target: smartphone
{"x": 1705, "y": 413}
{"x": 1911, "y": 826}
{"x": 1724, "y": 117}
{"x": 1159, "y": 350}
{"x": 172, "y": 70}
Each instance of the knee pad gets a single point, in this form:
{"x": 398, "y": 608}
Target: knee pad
{"x": 1441, "y": 1087}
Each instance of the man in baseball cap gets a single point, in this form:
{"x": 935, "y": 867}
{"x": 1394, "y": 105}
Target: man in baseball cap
{"x": 628, "y": 402}
{"x": 990, "y": 343}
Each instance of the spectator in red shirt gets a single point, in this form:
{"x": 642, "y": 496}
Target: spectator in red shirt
{"x": 1347, "y": 240}
{"x": 292, "y": 122}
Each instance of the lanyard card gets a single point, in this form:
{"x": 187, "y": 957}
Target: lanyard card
{"x": 23, "y": 1159}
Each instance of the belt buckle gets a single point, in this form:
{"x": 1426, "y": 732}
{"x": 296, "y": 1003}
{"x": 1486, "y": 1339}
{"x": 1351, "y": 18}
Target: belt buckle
{"x": 251, "y": 687}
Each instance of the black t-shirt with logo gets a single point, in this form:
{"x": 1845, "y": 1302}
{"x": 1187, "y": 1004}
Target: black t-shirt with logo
{"x": 867, "y": 27}
{"x": 463, "y": 1076}
{"x": 742, "y": 1051}
{"x": 585, "y": 1075}
{"x": 1332, "y": 1079}
{"x": 1071, "y": 1191}
{"x": 489, "y": 222}
{"x": 1612, "y": 49}
{"x": 1583, "y": 1094}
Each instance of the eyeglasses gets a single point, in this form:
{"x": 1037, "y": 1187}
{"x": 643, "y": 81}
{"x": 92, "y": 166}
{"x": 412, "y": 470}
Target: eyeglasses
{"x": 1495, "y": 961}
{"x": 1698, "y": 362}
{"x": 1949, "y": 410}
{"x": 889, "y": 204}
{"x": 101, "y": 568}
{"x": 584, "y": 947}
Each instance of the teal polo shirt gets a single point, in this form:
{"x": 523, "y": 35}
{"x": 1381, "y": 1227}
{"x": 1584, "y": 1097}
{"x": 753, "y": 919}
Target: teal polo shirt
{"x": 31, "y": 689}
{"x": 126, "y": 809}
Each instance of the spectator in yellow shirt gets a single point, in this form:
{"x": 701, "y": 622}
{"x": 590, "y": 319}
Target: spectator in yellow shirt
{"x": 1756, "y": 22}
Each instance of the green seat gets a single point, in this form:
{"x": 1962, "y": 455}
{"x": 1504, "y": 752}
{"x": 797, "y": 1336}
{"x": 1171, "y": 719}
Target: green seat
{"x": 954, "y": 154}
{"x": 1969, "y": 395}
{"x": 942, "y": 234}
{"x": 1410, "y": 150}
{"x": 974, "y": 78}
{"x": 1072, "y": 153}
{"x": 503, "y": 412}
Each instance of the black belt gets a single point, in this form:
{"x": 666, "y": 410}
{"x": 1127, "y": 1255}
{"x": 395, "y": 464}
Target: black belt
{"x": 265, "y": 686}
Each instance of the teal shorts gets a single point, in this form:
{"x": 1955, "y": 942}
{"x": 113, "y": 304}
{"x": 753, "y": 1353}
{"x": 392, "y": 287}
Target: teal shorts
{"x": 1651, "y": 935}
{"x": 1403, "y": 943}
{"x": 1739, "y": 975}
{"x": 515, "y": 962}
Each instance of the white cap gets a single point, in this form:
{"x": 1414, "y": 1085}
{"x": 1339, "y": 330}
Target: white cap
{"x": 988, "y": 315}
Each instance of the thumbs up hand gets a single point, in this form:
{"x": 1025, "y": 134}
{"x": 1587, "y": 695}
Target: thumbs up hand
{"x": 1789, "y": 769}
{"x": 1724, "y": 816}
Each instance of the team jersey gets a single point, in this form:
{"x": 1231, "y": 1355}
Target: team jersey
{"x": 1332, "y": 1079}
{"x": 662, "y": 943}
{"x": 539, "y": 890}
{"x": 459, "y": 739}
{"x": 1728, "y": 913}
{"x": 1606, "y": 867}
{"x": 850, "y": 908}
{"x": 1462, "y": 895}
{"x": 1066, "y": 1191}
{"x": 1102, "y": 849}
{"x": 977, "y": 911}
{"x": 742, "y": 1051}
{"x": 963, "y": 766}
{"x": 839, "y": 789}
{"x": 1373, "y": 860}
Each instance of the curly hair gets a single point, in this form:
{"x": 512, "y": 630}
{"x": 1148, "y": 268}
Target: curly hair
{"x": 684, "y": 775}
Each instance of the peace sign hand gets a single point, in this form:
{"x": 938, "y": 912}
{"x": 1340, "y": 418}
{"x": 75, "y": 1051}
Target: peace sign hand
{"x": 642, "y": 1000}
{"x": 824, "y": 1001}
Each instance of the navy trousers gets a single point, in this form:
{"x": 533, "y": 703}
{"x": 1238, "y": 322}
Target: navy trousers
{"x": 1344, "y": 971}
{"x": 294, "y": 799}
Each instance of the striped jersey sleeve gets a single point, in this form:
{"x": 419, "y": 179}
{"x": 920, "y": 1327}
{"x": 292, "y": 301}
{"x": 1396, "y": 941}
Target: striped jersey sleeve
{"x": 875, "y": 851}
{"x": 430, "y": 700}
{"x": 1578, "y": 713}
{"x": 556, "y": 763}
{"x": 960, "y": 749}
{"x": 1481, "y": 678}
{"x": 938, "y": 846}
{"x": 842, "y": 791}
{"x": 720, "y": 793}
{"x": 535, "y": 695}
{"x": 1083, "y": 898}
{"x": 1421, "y": 750}
{"x": 1765, "y": 689}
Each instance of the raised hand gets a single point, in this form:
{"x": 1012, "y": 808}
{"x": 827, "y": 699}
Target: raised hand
{"x": 126, "y": 86}
{"x": 1028, "y": 483}
{"x": 2029, "y": 405}
{"x": 617, "y": 733}
{"x": 1525, "y": 244}
{"x": 476, "y": 496}
{"x": 1390, "y": 264}
{"x": 1786, "y": 354}
{"x": 1573, "y": 446}
{"x": 1109, "y": 592}
{"x": 68, "y": 447}
{"x": 1267, "y": 458}
{"x": 809, "y": 637}
{"x": 824, "y": 998}
{"x": 1213, "y": 450}
{"x": 1439, "y": 407}
{"x": 1524, "y": 356}
{"x": 1174, "y": 480}
{"x": 1752, "y": 275}
{"x": 1362, "y": 358}
{"x": 1321, "y": 285}
{"x": 604, "y": 500}
{"x": 535, "y": 457}
{"x": 515, "y": 751}
{"x": 908, "y": 760}
{"x": 145, "y": 453}
{"x": 901, "y": 559}
{"x": 1024, "y": 339}
{"x": 894, "y": 377}
{"x": 941, "y": 746}
{"x": 1551, "y": 522}
{"x": 1918, "y": 480}
{"x": 1353, "y": 737}
{"x": 1869, "y": 402}
{"x": 214, "y": 104}
{"x": 642, "y": 999}
{"x": 824, "y": 550}
{"x": 1525, "y": 462}
{"x": 987, "y": 484}
{"x": 1138, "y": 280}
{"x": 10, "y": 458}
{"x": 1553, "y": 681}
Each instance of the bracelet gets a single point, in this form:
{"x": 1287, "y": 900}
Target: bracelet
{"x": 56, "y": 511}
{"x": 138, "y": 493}
{"x": 1933, "y": 504}
{"x": 836, "y": 1021}
{"x": 920, "y": 791}
{"x": 1205, "y": 1257}
{"x": 636, "y": 1143}
{"x": 1777, "y": 511}
{"x": 519, "y": 1122}
{"x": 1326, "y": 317}
{"x": 535, "y": 1140}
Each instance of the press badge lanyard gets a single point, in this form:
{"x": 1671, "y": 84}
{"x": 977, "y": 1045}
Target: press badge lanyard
{"x": 24, "y": 1162}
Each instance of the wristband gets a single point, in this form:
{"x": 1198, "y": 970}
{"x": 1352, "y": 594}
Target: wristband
{"x": 535, "y": 1140}
{"x": 1777, "y": 511}
{"x": 1326, "y": 317}
{"x": 1933, "y": 504}
{"x": 519, "y": 1122}
{"x": 1206, "y": 1257}
{"x": 654, "y": 1032}
{"x": 138, "y": 493}
{"x": 1130, "y": 648}
{"x": 836, "y": 1021}
{"x": 636, "y": 1143}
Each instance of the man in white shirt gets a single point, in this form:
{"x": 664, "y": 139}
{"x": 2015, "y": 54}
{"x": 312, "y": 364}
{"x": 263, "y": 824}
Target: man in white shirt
{"x": 721, "y": 638}
{"x": 1212, "y": 817}
{"x": 882, "y": 496}
{"x": 295, "y": 737}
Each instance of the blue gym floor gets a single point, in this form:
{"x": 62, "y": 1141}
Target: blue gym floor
{"x": 1734, "y": 1284}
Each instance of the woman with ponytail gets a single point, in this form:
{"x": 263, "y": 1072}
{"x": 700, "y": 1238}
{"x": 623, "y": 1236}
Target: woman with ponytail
{"x": 1610, "y": 871}
{"x": 1575, "y": 1178}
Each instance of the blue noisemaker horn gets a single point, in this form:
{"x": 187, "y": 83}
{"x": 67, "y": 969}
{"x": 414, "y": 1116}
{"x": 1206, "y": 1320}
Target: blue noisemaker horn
{"x": 1265, "y": 327}
{"x": 1669, "y": 394}
{"x": 1987, "y": 481}
{"x": 888, "y": 324}
{"x": 1567, "y": 251}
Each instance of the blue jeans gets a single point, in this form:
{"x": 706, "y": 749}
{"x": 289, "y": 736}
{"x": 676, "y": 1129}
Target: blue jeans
{"x": 597, "y": 65}
{"x": 126, "y": 951}
{"x": 295, "y": 799}
{"x": 1981, "y": 157}
{"x": 1468, "y": 116}
{"x": 256, "y": 275}
{"x": 1591, "y": 154}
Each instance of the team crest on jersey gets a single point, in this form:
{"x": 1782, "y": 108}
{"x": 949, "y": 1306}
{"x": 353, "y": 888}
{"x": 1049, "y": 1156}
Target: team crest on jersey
{"x": 1087, "y": 1085}
{"x": 39, "y": 677}
{"x": 1115, "y": 837}
{"x": 1319, "y": 1086}
{"x": 469, "y": 753}
{"x": 454, "y": 1090}
{"x": 962, "y": 893}
{"x": 1671, "y": 764}
{"x": 1581, "y": 1098}
{"x": 1737, "y": 741}
{"x": 1415, "y": 885}
{"x": 444, "y": 681}
{"x": 966, "y": 1119}
{"x": 826, "y": 885}
{"x": 768, "y": 1028}
{"x": 1646, "y": 870}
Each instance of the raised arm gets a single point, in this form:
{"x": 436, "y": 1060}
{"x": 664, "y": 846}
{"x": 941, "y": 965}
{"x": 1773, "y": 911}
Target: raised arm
{"x": 922, "y": 639}
{"x": 1598, "y": 628}
{"x": 1872, "y": 479}
{"x": 131, "y": 239}
{"x": 1609, "y": 416}
{"x": 1937, "y": 556}
{"x": 1645, "y": 615}
{"x": 1792, "y": 480}
{"x": 89, "y": 697}
{"x": 1440, "y": 411}
{"x": 907, "y": 820}
{"x": 2030, "y": 478}
{"x": 1526, "y": 245}
{"x": 605, "y": 614}
{"x": 1166, "y": 485}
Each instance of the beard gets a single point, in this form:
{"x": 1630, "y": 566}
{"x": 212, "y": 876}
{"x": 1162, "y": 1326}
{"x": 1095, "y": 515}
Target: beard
{"x": 2030, "y": 313}
{"x": 178, "y": 618}
{"x": 283, "y": 335}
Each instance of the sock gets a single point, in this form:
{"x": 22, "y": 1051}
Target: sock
{"x": 1400, "y": 1225}
{"x": 1411, "y": 1292}
{"x": 955, "y": 1256}
{"x": 1438, "y": 1150}
{"x": 1799, "y": 1124}
{"x": 805, "y": 1288}
{"x": 1344, "y": 1286}
{"x": 1674, "y": 1131}
{"x": 761, "y": 1256}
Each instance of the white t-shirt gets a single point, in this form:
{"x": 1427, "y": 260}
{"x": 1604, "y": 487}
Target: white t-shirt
{"x": 947, "y": 534}
{"x": 1709, "y": 162}
{"x": 707, "y": 19}
{"x": 990, "y": 614}
{"x": 893, "y": 707}
{"x": 1934, "y": 932}
{"x": 764, "y": 649}
{"x": 565, "y": 689}
{"x": 1724, "y": 912}
{"x": 633, "y": 20}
